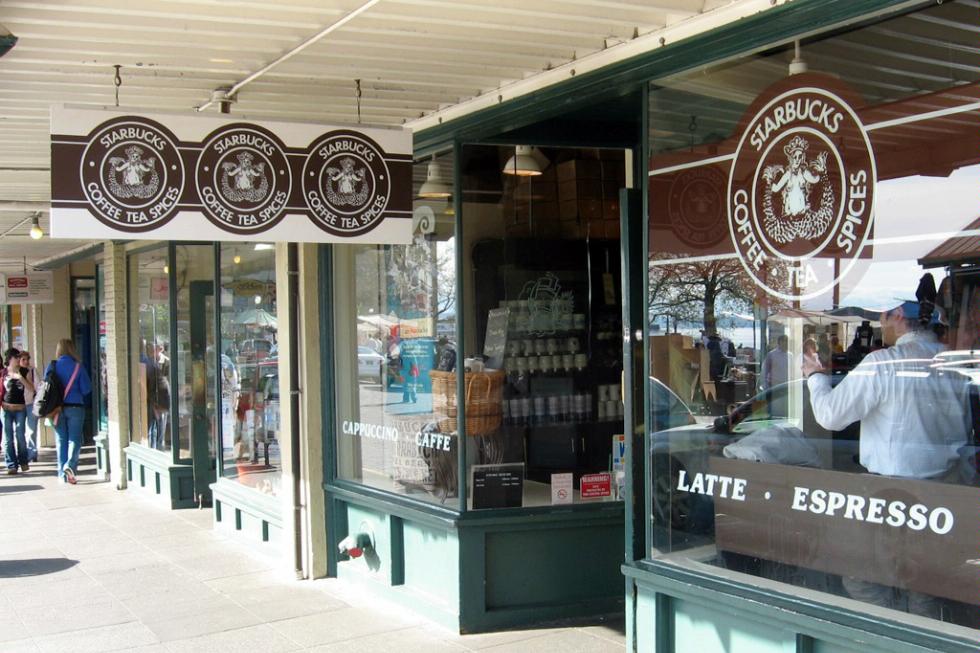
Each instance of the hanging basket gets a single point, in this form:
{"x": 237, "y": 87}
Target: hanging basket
{"x": 483, "y": 402}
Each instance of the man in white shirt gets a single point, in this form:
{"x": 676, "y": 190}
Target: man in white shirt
{"x": 914, "y": 420}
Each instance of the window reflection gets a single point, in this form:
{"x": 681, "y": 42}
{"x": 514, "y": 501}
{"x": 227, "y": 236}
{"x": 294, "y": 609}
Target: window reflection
{"x": 823, "y": 439}
{"x": 250, "y": 399}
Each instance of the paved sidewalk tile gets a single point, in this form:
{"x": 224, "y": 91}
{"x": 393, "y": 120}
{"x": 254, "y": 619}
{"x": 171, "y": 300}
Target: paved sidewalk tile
{"x": 90, "y": 569}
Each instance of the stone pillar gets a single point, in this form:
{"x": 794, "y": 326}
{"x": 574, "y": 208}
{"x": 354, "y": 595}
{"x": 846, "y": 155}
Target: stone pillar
{"x": 117, "y": 348}
{"x": 311, "y": 506}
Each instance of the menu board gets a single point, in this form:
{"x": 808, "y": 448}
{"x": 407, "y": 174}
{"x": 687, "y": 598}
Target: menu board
{"x": 498, "y": 486}
{"x": 495, "y": 344}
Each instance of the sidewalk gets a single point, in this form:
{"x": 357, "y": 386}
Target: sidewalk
{"x": 88, "y": 568}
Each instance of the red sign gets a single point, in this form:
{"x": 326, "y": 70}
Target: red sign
{"x": 593, "y": 486}
{"x": 16, "y": 282}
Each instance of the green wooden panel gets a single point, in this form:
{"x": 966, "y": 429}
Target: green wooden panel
{"x": 377, "y": 561}
{"x": 820, "y": 646}
{"x": 709, "y": 629}
{"x": 432, "y": 563}
{"x": 553, "y": 566}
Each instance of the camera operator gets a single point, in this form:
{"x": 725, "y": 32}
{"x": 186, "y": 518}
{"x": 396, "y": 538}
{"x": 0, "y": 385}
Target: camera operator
{"x": 914, "y": 419}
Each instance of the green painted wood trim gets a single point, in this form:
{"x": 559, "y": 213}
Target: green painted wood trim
{"x": 336, "y": 519}
{"x": 664, "y": 635}
{"x": 250, "y": 500}
{"x": 777, "y": 25}
{"x": 461, "y": 472}
{"x": 434, "y": 516}
{"x": 151, "y": 458}
{"x": 174, "y": 360}
{"x": 810, "y": 616}
{"x": 396, "y": 542}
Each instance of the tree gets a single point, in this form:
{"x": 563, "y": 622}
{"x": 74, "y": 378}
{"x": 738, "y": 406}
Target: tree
{"x": 697, "y": 290}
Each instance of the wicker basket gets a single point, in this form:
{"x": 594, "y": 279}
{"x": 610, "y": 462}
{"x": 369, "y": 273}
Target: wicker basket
{"x": 483, "y": 403}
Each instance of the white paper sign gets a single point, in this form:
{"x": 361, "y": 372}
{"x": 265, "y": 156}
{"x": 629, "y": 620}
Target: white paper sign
{"x": 30, "y": 288}
{"x": 562, "y": 488}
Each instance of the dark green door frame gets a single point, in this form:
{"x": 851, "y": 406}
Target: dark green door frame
{"x": 202, "y": 462}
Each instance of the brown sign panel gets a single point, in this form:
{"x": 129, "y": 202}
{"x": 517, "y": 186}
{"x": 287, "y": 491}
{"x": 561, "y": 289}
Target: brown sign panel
{"x": 898, "y": 532}
{"x": 170, "y": 177}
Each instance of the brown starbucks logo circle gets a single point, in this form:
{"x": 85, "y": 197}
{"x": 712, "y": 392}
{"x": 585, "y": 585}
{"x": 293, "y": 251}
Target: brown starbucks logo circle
{"x": 696, "y": 206}
{"x": 243, "y": 178}
{"x": 132, "y": 174}
{"x": 346, "y": 183}
{"x": 801, "y": 193}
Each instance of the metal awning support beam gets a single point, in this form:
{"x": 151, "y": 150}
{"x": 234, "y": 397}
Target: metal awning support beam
{"x": 332, "y": 27}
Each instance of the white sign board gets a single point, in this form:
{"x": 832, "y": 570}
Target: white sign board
{"x": 115, "y": 174}
{"x": 30, "y": 288}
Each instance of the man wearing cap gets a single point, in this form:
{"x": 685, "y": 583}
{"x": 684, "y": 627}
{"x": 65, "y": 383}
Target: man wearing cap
{"x": 914, "y": 420}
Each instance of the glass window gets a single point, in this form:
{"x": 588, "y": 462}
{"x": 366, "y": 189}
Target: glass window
{"x": 149, "y": 315}
{"x": 813, "y": 333}
{"x": 103, "y": 376}
{"x": 250, "y": 402}
{"x": 19, "y": 332}
{"x": 543, "y": 310}
{"x": 395, "y": 339}
{"x": 195, "y": 379}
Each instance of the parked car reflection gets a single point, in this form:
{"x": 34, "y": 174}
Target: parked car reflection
{"x": 787, "y": 434}
{"x": 370, "y": 364}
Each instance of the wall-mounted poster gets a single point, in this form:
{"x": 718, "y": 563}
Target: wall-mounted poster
{"x": 176, "y": 177}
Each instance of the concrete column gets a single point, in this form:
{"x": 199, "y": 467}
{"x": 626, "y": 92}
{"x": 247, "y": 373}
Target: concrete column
{"x": 117, "y": 347}
{"x": 313, "y": 527}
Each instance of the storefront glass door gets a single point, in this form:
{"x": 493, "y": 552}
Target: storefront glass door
{"x": 195, "y": 381}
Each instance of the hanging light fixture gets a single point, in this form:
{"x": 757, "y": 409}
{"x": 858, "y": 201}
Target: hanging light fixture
{"x": 435, "y": 186}
{"x": 237, "y": 259}
{"x": 36, "y": 232}
{"x": 523, "y": 163}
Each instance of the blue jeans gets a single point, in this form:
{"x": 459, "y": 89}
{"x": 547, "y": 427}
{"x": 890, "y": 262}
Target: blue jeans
{"x": 31, "y": 433}
{"x": 69, "y": 433}
{"x": 13, "y": 431}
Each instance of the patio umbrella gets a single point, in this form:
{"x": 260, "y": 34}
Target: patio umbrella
{"x": 257, "y": 317}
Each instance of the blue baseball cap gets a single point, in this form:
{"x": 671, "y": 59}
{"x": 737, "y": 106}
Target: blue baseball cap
{"x": 910, "y": 309}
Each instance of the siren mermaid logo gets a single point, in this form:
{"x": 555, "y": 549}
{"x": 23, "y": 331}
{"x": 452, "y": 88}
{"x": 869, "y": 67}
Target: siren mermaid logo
{"x": 346, "y": 183}
{"x": 243, "y": 178}
{"x": 134, "y": 167}
{"x": 801, "y": 191}
{"x": 786, "y": 204}
{"x": 132, "y": 174}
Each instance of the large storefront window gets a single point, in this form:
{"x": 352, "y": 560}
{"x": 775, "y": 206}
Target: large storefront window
{"x": 149, "y": 314}
{"x": 813, "y": 397}
{"x": 250, "y": 401}
{"x": 395, "y": 339}
{"x": 543, "y": 307}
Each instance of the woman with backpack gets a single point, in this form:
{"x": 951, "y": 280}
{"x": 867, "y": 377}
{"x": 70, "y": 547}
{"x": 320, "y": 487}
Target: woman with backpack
{"x": 70, "y": 417}
{"x": 13, "y": 410}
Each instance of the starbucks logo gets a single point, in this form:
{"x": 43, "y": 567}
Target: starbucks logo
{"x": 801, "y": 193}
{"x": 696, "y": 206}
{"x": 243, "y": 178}
{"x": 132, "y": 174}
{"x": 346, "y": 183}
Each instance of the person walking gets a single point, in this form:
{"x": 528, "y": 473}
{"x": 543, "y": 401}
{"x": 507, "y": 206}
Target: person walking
{"x": 13, "y": 411}
{"x": 68, "y": 421}
{"x": 29, "y": 372}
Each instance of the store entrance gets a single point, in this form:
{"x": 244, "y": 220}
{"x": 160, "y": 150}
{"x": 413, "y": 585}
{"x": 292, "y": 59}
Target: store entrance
{"x": 196, "y": 380}
{"x": 202, "y": 388}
